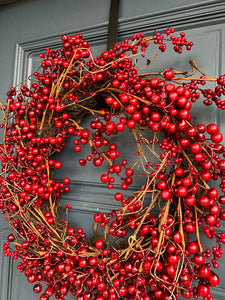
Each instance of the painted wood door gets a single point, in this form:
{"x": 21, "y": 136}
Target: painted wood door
{"x": 27, "y": 27}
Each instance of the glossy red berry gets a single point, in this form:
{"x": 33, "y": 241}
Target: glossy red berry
{"x": 168, "y": 74}
{"x": 99, "y": 244}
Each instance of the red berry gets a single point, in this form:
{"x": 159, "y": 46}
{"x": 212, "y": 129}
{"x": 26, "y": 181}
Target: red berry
{"x": 58, "y": 165}
{"x": 203, "y": 290}
{"x": 182, "y": 191}
{"x": 213, "y": 279}
{"x": 37, "y": 288}
{"x": 204, "y": 272}
{"x": 212, "y": 128}
{"x": 50, "y": 220}
{"x": 193, "y": 247}
{"x": 99, "y": 244}
{"x": 168, "y": 74}
{"x": 166, "y": 194}
{"x": 190, "y": 200}
{"x": 204, "y": 201}
{"x": 217, "y": 137}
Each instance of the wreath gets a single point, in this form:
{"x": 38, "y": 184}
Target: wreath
{"x": 149, "y": 248}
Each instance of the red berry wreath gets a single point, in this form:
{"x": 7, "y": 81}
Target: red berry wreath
{"x": 141, "y": 254}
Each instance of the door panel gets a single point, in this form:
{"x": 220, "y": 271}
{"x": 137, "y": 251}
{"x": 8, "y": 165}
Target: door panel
{"x": 87, "y": 194}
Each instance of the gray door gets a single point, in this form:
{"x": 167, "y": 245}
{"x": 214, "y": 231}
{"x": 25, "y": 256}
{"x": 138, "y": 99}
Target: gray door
{"x": 27, "y": 27}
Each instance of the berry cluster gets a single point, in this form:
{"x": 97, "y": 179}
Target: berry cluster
{"x": 162, "y": 256}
